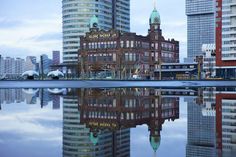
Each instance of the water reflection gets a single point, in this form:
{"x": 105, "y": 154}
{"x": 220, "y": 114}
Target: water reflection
{"x": 98, "y": 122}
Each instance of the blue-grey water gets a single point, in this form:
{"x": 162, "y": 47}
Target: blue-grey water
{"x": 118, "y": 122}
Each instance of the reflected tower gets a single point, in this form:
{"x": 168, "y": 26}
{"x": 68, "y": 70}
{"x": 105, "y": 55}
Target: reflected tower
{"x": 201, "y": 126}
{"x": 80, "y": 141}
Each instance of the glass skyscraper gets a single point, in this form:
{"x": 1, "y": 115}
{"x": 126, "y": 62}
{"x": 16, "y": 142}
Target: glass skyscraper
{"x": 200, "y": 25}
{"x": 76, "y": 15}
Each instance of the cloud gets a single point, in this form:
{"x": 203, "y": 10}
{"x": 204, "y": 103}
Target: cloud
{"x": 32, "y": 36}
{"x": 48, "y": 37}
{"x": 31, "y": 123}
{"x": 36, "y": 29}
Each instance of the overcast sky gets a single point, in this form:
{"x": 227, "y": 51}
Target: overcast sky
{"x": 29, "y": 27}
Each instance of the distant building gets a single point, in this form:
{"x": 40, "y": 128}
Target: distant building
{"x": 19, "y": 66}
{"x": 55, "y": 57}
{"x": 9, "y": 66}
{"x": 1, "y": 65}
{"x": 30, "y": 63}
{"x": 45, "y": 64}
{"x": 177, "y": 71}
{"x": 123, "y": 55}
{"x": 200, "y": 25}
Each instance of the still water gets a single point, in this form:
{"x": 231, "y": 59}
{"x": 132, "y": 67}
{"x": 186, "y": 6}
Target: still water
{"x": 120, "y": 122}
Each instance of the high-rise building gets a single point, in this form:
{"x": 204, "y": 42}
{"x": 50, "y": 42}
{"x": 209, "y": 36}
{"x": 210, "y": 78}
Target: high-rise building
{"x": 55, "y": 57}
{"x": 225, "y": 38}
{"x": 19, "y": 66}
{"x": 200, "y": 25}
{"x": 9, "y": 65}
{"x": 76, "y": 15}
{"x": 30, "y": 63}
{"x": 45, "y": 63}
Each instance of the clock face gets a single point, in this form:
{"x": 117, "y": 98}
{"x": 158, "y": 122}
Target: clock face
{"x": 156, "y": 20}
{"x": 95, "y": 25}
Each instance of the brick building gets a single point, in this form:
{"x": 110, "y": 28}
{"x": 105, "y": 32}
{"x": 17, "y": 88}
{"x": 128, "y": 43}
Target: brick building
{"x": 123, "y": 55}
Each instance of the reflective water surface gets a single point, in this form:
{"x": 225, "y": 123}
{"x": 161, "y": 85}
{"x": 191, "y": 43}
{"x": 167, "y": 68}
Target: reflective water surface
{"x": 120, "y": 122}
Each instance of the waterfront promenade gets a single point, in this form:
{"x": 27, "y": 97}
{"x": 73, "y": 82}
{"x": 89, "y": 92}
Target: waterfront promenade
{"x": 113, "y": 84}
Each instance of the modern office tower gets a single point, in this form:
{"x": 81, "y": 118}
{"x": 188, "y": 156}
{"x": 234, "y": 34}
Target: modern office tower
{"x": 77, "y": 14}
{"x": 30, "y": 63}
{"x": 201, "y": 140}
{"x": 200, "y": 25}
{"x": 45, "y": 64}
{"x": 55, "y": 57}
{"x": 19, "y": 66}
{"x": 225, "y": 38}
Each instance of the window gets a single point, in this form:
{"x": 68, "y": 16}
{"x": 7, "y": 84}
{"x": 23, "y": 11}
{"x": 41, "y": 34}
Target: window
{"x": 121, "y": 44}
{"x": 132, "y": 44}
{"x": 127, "y": 43}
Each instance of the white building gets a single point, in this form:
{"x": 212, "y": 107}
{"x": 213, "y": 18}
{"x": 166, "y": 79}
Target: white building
{"x": 228, "y": 30}
{"x": 209, "y": 60}
{"x": 19, "y": 66}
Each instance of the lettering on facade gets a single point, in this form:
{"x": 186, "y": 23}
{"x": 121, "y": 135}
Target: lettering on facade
{"x": 102, "y": 35}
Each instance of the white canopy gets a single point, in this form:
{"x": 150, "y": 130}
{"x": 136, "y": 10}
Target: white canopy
{"x": 30, "y": 73}
{"x": 55, "y": 73}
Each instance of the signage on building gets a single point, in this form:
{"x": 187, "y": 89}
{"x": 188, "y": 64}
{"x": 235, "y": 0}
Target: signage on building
{"x": 102, "y": 35}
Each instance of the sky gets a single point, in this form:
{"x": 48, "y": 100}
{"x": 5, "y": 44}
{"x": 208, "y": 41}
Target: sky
{"x": 27, "y": 28}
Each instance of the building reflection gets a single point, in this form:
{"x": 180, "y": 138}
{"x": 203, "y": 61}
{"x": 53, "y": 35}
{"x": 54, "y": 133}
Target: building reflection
{"x": 30, "y": 96}
{"x": 78, "y": 141}
{"x": 120, "y": 109}
{"x": 97, "y": 122}
{"x": 212, "y": 124}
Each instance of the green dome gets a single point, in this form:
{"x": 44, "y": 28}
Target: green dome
{"x": 93, "y": 139}
{"x": 93, "y": 22}
{"x": 155, "y": 17}
{"x": 155, "y": 142}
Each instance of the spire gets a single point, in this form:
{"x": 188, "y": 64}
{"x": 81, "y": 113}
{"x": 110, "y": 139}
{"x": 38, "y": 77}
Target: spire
{"x": 154, "y": 3}
{"x": 154, "y": 154}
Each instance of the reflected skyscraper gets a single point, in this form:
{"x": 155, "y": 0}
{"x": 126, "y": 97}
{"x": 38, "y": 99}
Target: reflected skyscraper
{"x": 201, "y": 140}
{"x": 226, "y": 122}
{"x": 77, "y": 139}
